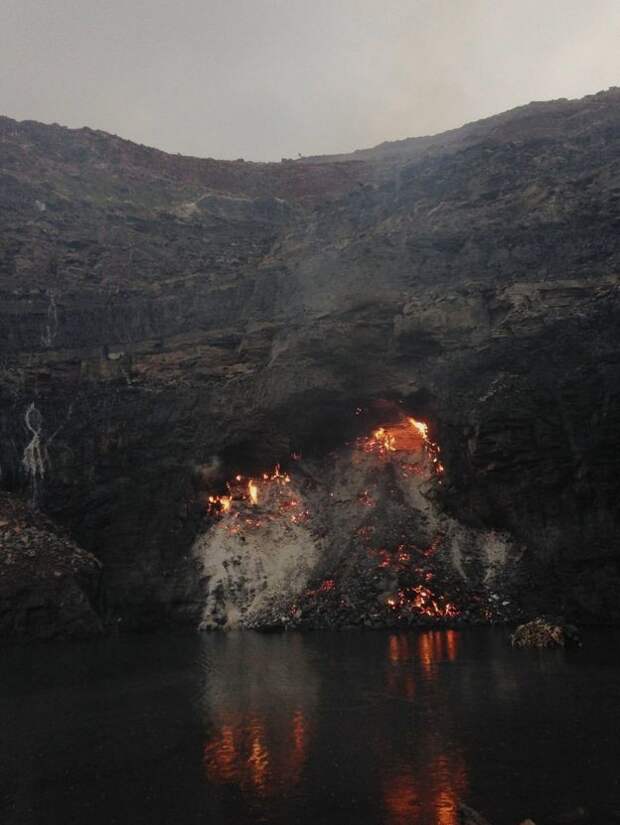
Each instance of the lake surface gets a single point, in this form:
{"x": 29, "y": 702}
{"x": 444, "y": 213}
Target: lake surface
{"x": 356, "y": 727}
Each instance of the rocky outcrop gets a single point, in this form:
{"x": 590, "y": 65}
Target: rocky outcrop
{"x": 543, "y": 632}
{"x": 167, "y": 323}
{"x": 49, "y": 587}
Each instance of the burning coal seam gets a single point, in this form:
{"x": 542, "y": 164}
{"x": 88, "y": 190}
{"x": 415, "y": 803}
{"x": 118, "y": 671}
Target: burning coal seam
{"x": 282, "y": 550}
{"x": 382, "y": 442}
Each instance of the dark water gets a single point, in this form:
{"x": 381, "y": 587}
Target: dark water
{"x": 353, "y": 727}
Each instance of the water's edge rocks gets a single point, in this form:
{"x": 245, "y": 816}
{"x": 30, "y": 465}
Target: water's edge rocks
{"x": 545, "y": 632}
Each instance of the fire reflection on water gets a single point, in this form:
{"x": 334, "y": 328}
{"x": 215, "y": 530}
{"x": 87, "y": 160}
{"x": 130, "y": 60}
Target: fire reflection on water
{"x": 429, "y": 796}
{"x": 436, "y": 647}
{"x": 267, "y": 729}
{"x": 429, "y": 648}
{"x": 259, "y": 761}
{"x": 429, "y": 791}
{"x": 259, "y": 716}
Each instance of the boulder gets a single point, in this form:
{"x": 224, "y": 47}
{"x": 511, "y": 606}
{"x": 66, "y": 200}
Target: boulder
{"x": 542, "y": 632}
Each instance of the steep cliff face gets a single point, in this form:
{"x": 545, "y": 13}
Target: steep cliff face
{"x": 167, "y": 323}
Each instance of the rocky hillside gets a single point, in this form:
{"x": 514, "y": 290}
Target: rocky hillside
{"x": 49, "y": 587}
{"x": 169, "y": 322}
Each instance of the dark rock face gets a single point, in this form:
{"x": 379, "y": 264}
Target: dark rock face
{"x": 49, "y": 587}
{"x": 167, "y": 322}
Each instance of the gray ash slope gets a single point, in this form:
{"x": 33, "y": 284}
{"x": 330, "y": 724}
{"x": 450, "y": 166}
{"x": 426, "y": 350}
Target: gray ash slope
{"x": 176, "y": 320}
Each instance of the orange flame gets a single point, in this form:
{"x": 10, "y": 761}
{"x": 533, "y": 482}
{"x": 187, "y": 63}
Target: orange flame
{"x": 269, "y": 490}
{"x": 421, "y": 427}
{"x": 421, "y": 600}
{"x": 385, "y": 440}
{"x": 220, "y": 504}
{"x": 407, "y": 436}
{"x": 253, "y": 491}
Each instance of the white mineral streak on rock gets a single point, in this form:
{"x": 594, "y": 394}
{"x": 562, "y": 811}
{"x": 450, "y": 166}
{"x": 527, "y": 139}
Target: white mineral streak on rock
{"x": 35, "y": 456}
{"x": 51, "y": 326}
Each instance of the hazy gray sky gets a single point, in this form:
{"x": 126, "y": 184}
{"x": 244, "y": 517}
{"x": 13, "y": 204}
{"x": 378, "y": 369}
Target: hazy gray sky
{"x": 263, "y": 79}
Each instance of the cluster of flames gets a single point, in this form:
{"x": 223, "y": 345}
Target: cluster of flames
{"x": 421, "y": 599}
{"x": 407, "y": 436}
{"x": 252, "y": 501}
{"x": 402, "y": 554}
{"x": 246, "y": 489}
{"x": 406, "y": 561}
{"x": 246, "y": 493}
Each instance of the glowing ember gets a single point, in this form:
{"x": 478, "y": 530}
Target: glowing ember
{"x": 300, "y": 517}
{"x": 422, "y": 600}
{"x": 366, "y": 499}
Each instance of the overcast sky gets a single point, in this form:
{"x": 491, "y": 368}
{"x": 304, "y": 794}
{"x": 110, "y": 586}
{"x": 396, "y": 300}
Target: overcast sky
{"x": 265, "y": 79}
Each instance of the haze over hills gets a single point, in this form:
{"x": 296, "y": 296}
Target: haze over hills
{"x": 161, "y": 314}
{"x": 546, "y": 118}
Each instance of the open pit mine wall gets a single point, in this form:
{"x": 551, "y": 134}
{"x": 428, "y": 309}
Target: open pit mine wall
{"x": 167, "y": 322}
